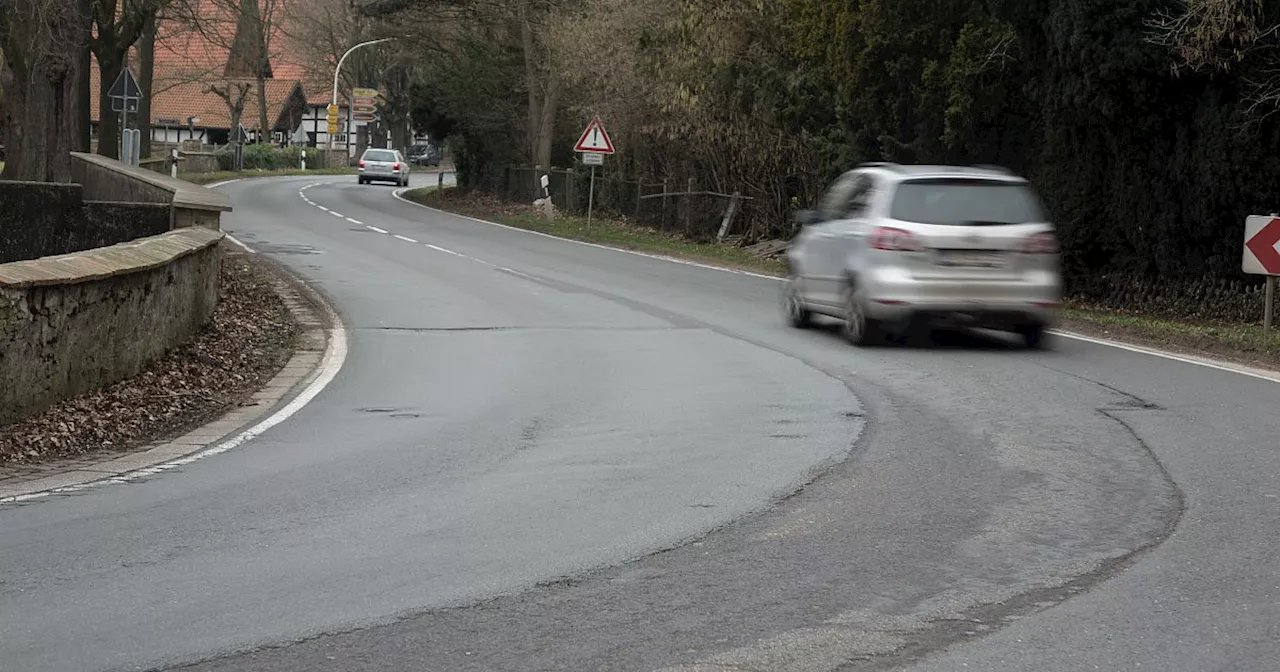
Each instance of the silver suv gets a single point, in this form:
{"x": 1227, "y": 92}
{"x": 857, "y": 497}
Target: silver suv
{"x": 892, "y": 248}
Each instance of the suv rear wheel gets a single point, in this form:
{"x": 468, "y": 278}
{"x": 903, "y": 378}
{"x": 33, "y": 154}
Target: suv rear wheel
{"x": 793, "y": 306}
{"x": 858, "y": 328}
{"x": 1034, "y": 335}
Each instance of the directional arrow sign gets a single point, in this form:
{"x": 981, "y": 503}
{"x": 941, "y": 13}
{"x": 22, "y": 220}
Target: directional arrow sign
{"x": 1260, "y": 237}
{"x": 594, "y": 139}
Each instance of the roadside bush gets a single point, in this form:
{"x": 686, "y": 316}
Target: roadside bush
{"x": 267, "y": 157}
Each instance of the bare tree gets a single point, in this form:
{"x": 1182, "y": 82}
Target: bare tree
{"x": 1225, "y": 36}
{"x": 235, "y": 94}
{"x": 117, "y": 28}
{"x": 43, "y": 41}
{"x": 245, "y": 29}
{"x": 542, "y": 81}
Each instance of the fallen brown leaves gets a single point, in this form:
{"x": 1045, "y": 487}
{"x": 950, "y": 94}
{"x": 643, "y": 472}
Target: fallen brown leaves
{"x": 250, "y": 338}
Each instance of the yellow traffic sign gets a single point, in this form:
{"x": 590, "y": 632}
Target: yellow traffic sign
{"x": 364, "y": 93}
{"x": 333, "y": 128}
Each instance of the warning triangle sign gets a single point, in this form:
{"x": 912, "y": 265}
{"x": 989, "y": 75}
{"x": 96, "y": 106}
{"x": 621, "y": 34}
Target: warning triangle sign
{"x": 594, "y": 139}
{"x": 125, "y": 86}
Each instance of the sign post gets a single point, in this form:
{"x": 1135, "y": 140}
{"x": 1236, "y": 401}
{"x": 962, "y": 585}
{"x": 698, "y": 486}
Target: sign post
{"x": 125, "y": 94}
{"x": 238, "y": 138}
{"x": 593, "y": 145}
{"x": 1261, "y": 234}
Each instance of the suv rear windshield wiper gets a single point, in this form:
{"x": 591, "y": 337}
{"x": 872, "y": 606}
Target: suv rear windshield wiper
{"x": 981, "y": 222}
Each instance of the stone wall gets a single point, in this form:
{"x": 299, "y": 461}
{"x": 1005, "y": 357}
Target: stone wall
{"x": 40, "y": 219}
{"x": 73, "y": 323}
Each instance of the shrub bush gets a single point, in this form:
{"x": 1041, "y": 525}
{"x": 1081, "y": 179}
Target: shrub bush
{"x": 267, "y": 157}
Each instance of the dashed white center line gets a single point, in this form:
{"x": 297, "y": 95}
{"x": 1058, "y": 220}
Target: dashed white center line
{"x": 405, "y": 239}
{"x": 337, "y": 214}
{"x": 323, "y": 208}
{"x": 441, "y": 249}
{"x": 355, "y": 221}
{"x": 513, "y": 271}
{"x": 375, "y": 229}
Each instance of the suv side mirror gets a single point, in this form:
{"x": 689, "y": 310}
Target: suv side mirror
{"x": 807, "y": 217}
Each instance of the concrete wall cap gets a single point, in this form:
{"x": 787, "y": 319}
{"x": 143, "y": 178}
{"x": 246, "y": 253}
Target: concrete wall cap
{"x": 185, "y": 194}
{"x": 104, "y": 262}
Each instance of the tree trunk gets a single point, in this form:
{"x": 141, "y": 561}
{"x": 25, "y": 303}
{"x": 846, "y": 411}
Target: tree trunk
{"x": 146, "y": 79}
{"x": 43, "y": 92}
{"x": 535, "y": 108}
{"x": 547, "y": 124}
{"x": 84, "y": 141}
{"x": 110, "y": 68}
{"x": 264, "y": 130}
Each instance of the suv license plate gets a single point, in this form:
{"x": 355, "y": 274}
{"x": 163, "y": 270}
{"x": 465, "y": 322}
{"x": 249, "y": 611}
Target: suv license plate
{"x": 971, "y": 259}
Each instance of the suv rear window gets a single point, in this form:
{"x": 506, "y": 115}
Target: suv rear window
{"x": 379, "y": 155}
{"x": 965, "y": 202}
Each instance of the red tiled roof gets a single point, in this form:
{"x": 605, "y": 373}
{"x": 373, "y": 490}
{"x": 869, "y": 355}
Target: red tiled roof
{"x": 188, "y": 62}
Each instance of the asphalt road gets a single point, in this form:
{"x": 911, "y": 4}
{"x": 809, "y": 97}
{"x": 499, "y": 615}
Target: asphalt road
{"x": 544, "y": 455}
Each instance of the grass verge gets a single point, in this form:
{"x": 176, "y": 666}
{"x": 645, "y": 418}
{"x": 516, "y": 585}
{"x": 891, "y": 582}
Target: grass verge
{"x": 219, "y": 176}
{"x": 601, "y": 231}
{"x": 1241, "y": 343}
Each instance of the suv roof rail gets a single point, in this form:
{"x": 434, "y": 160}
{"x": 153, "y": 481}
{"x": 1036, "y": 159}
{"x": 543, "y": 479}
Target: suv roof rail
{"x": 994, "y": 168}
{"x": 880, "y": 164}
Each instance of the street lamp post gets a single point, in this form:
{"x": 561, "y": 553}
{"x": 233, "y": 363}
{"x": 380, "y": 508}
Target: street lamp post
{"x": 332, "y": 136}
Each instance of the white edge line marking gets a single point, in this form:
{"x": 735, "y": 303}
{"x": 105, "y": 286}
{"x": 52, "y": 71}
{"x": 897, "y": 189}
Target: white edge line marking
{"x": 1216, "y": 364}
{"x": 1195, "y": 361}
{"x": 355, "y": 221}
{"x": 375, "y": 229}
{"x": 215, "y": 185}
{"x": 334, "y": 356}
{"x": 405, "y": 238}
{"x": 237, "y": 241}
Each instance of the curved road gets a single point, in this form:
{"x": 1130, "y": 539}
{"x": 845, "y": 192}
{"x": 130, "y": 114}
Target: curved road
{"x": 523, "y": 423}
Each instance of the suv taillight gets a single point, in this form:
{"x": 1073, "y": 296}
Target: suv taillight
{"x": 362, "y": 163}
{"x": 894, "y": 240}
{"x": 1041, "y": 243}
{"x": 395, "y": 166}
